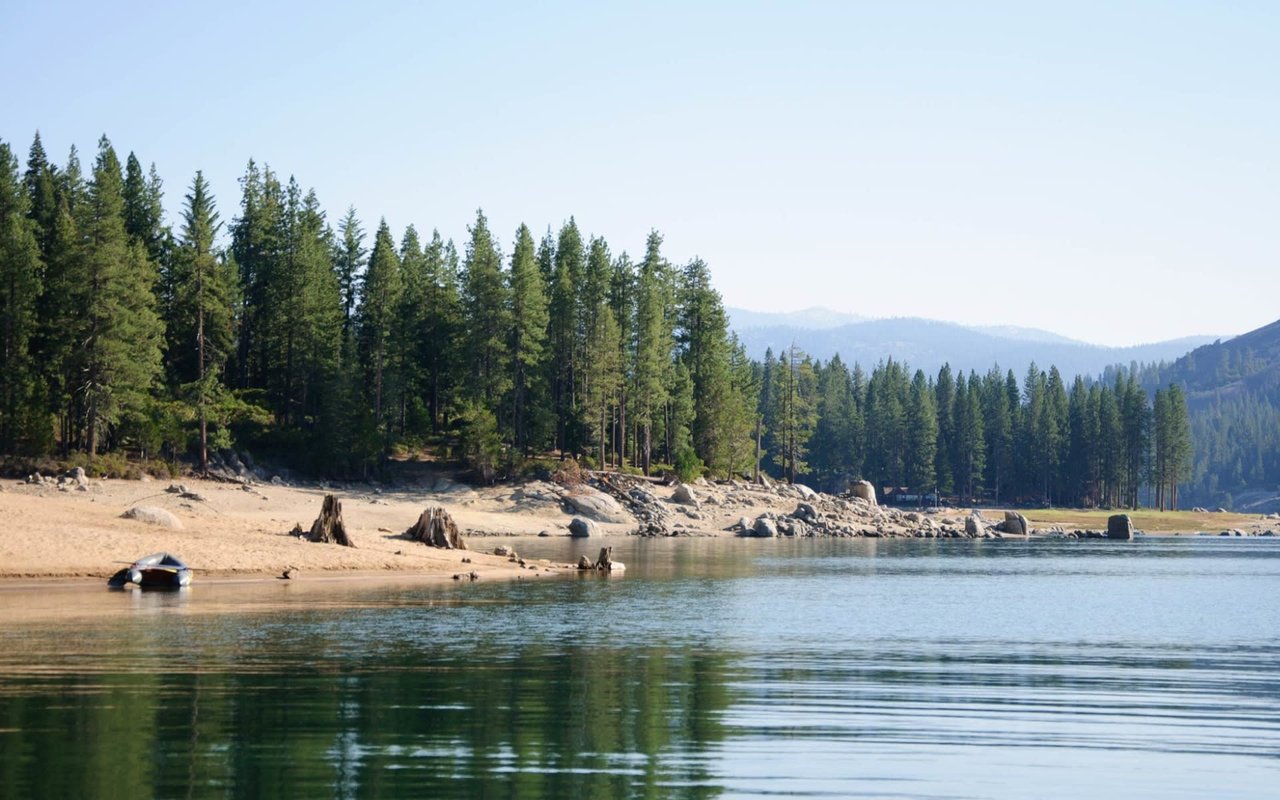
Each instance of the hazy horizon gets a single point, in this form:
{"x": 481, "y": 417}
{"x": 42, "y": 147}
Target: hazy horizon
{"x": 1108, "y": 174}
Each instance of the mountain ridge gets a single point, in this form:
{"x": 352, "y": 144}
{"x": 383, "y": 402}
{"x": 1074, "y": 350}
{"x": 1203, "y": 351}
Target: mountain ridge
{"x": 928, "y": 344}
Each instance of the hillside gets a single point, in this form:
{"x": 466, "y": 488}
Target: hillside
{"x": 928, "y": 344}
{"x": 1233, "y": 393}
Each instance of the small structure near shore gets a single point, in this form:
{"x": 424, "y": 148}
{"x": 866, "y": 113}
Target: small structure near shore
{"x": 436, "y": 528}
{"x": 329, "y": 527}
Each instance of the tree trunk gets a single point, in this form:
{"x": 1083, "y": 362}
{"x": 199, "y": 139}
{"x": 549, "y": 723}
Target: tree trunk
{"x": 329, "y": 527}
{"x": 436, "y": 528}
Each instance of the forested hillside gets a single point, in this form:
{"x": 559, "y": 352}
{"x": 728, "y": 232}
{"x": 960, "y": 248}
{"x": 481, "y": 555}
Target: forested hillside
{"x": 274, "y": 328}
{"x": 1233, "y": 390}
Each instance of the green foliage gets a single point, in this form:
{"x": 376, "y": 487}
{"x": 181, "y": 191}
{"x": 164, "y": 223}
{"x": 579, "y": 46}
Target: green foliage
{"x": 481, "y": 443}
{"x": 688, "y": 466}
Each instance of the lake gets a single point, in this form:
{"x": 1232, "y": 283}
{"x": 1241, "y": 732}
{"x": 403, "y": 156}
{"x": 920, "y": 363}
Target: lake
{"x": 713, "y": 668}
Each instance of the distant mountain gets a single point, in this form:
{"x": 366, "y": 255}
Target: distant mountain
{"x": 928, "y": 344}
{"x": 1233, "y": 393}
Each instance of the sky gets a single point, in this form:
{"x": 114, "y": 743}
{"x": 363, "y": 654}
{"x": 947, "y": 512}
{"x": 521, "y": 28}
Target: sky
{"x": 1108, "y": 171}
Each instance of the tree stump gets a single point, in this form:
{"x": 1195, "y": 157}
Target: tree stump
{"x": 436, "y": 528}
{"x": 605, "y": 559}
{"x": 328, "y": 527}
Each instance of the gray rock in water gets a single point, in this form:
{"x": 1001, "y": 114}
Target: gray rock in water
{"x": 1015, "y": 524}
{"x": 154, "y": 516}
{"x": 764, "y": 527}
{"x": 972, "y": 525}
{"x": 1119, "y": 526}
{"x": 581, "y": 528}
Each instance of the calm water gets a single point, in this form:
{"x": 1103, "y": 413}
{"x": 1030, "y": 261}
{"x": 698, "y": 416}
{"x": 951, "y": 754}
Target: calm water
{"x": 713, "y": 668}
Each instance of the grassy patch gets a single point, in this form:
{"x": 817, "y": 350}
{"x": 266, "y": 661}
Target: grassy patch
{"x": 1143, "y": 519}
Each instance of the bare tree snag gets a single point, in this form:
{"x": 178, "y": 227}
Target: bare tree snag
{"x": 328, "y": 527}
{"x": 436, "y": 528}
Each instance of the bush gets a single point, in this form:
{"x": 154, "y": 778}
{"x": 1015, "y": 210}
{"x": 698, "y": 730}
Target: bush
{"x": 688, "y": 466}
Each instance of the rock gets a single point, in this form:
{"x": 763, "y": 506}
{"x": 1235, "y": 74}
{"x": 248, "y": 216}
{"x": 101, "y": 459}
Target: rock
{"x": 743, "y": 524}
{"x": 1220, "y": 511}
{"x": 77, "y": 475}
{"x": 154, "y": 516}
{"x": 764, "y": 481}
{"x": 972, "y": 525}
{"x": 1119, "y": 526}
{"x": 597, "y": 505}
{"x": 805, "y": 492}
{"x": 684, "y": 496}
{"x": 585, "y": 563}
{"x": 764, "y": 527}
{"x": 503, "y": 550}
{"x": 581, "y": 528}
{"x": 1015, "y": 524}
{"x": 806, "y": 512}
{"x": 912, "y": 516}
{"x": 544, "y": 534}
{"x": 864, "y": 491}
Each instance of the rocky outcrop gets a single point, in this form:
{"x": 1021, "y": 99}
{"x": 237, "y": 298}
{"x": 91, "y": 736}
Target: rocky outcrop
{"x": 764, "y": 527}
{"x": 596, "y": 505}
{"x": 1119, "y": 526}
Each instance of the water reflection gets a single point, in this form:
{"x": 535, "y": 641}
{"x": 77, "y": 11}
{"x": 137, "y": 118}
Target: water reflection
{"x": 890, "y": 669}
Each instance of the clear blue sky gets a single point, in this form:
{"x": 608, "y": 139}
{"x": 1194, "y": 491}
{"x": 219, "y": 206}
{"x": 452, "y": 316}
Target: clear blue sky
{"x": 1110, "y": 171}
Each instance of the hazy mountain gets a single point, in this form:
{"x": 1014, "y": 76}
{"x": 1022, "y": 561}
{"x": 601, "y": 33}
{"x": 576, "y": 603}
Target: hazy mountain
{"x": 928, "y": 344}
{"x": 1233, "y": 392}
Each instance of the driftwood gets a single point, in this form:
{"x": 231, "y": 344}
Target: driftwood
{"x": 328, "y": 527}
{"x": 436, "y": 528}
{"x": 604, "y": 563}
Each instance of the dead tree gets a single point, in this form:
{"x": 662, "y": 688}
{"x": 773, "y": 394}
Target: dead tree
{"x": 328, "y": 527}
{"x": 436, "y": 528}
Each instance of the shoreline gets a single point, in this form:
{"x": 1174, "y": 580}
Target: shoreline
{"x": 241, "y": 532}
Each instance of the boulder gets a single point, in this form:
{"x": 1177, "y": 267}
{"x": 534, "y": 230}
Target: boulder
{"x": 764, "y": 527}
{"x": 1119, "y": 526}
{"x": 1015, "y": 524}
{"x": 154, "y": 516}
{"x": 77, "y": 475}
{"x": 596, "y": 505}
{"x": 864, "y": 491}
{"x": 581, "y": 528}
{"x": 684, "y": 496}
{"x": 973, "y": 525}
{"x": 805, "y": 512}
{"x": 805, "y": 492}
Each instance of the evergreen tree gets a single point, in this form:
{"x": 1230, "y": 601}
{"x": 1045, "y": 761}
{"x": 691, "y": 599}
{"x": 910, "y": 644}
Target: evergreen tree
{"x": 20, "y": 278}
{"x": 529, "y": 408}
{"x": 922, "y": 435}
{"x": 486, "y": 310}
{"x": 348, "y": 263}
{"x": 653, "y": 346}
{"x": 201, "y": 330}
{"x": 120, "y": 334}
{"x": 380, "y": 292}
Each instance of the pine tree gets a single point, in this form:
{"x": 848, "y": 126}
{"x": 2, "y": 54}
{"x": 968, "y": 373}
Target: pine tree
{"x": 376, "y": 322}
{"x": 944, "y": 398}
{"x": 120, "y": 334}
{"x": 201, "y": 329}
{"x": 487, "y": 318}
{"x": 562, "y": 335}
{"x": 653, "y": 347}
{"x": 348, "y": 263}
{"x": 922, "y": 435}
{"x": 795, "y": 412}
{"x": 529, "y": 409}
{"x": 20, "y": 274}
{"x": 604, "y": 354}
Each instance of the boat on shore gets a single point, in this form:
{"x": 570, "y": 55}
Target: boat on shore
{"x": 158, "y": 570}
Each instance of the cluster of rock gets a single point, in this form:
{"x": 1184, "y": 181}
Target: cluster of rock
{"x": 72, "y": 479}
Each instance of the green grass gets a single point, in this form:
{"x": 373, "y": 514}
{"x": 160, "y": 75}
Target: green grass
{"x": 1145, "y": 519}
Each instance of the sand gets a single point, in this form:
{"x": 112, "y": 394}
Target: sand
{"x": 53, "y": 533}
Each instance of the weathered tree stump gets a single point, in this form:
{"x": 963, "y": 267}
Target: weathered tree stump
{"x": 436, "y": 528}
{"x": 605, "y": 559}
{"x": 328, "y": 527}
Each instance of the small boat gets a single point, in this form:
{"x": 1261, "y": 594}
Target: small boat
{"x": 155, "y": 570}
